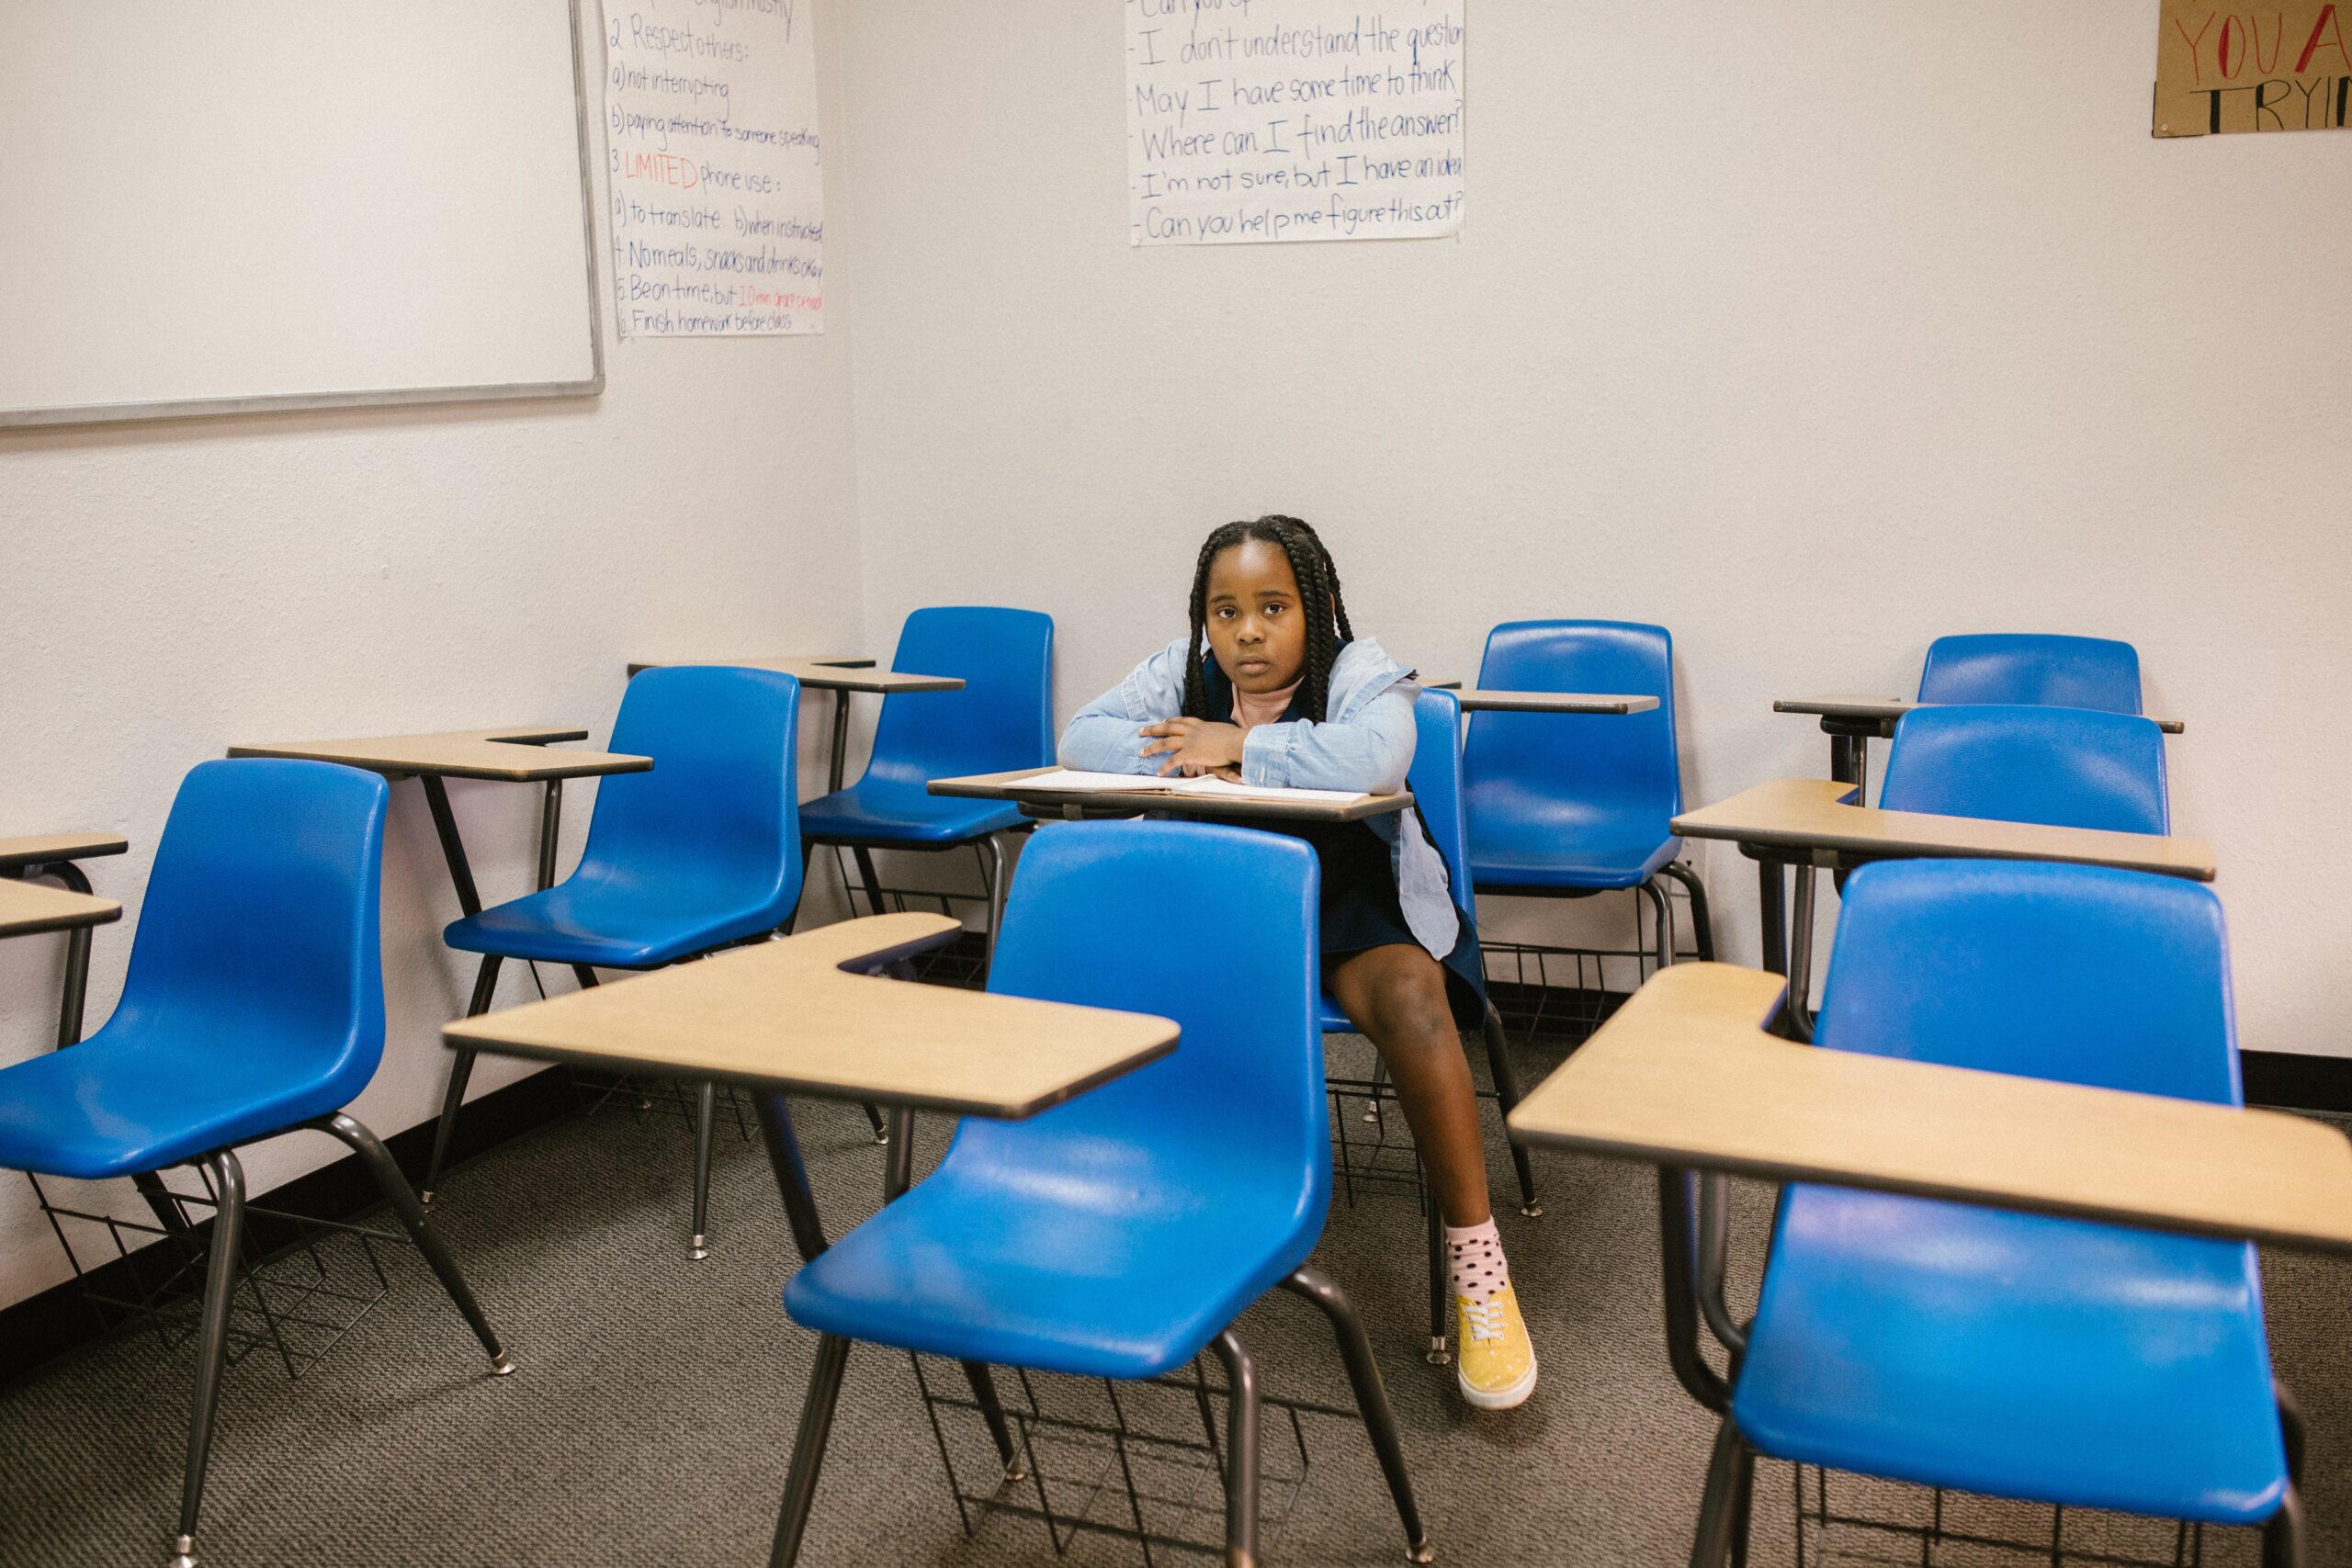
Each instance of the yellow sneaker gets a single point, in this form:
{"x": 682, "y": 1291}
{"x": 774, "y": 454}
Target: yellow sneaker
{"x": 1496, "y": 1367}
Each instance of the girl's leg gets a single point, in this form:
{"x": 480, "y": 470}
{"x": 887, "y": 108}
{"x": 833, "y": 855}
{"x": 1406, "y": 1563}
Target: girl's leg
{"x": 1396, "y": 997}
{"x": 1396, "y": 994}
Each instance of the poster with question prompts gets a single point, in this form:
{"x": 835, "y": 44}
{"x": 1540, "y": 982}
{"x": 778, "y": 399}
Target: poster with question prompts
{"x": 717, "y": 200}
{"x": 1265, "y": 121}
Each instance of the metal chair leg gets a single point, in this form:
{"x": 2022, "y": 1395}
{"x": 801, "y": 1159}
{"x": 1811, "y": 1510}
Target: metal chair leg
{"x": 411, "y": 1213}
{"x": 1240, "y": 1452}
{"x": 1711, "y": 1545}
{"x": 983, "y": 1394}
{"x": 998, "y": 888}
{"x": 1702, "y": 924}
{"x": 1798, "y": 1006}
{"x": 869, "y": 877}
{"x": 899, "y": 1164}
{"x": 586, "y": 973}
{"x": 1743, "y": 1507}
{"x": 881, "y": 1128}
{"x": 1663, "y": 918}
{"x": 461, "y": 1068}
{"x": 212, "y": 1343}
{"x": 2290, "y": 1430}
{"x": 2283, "y": 1545}
{"x": 1440, "y": 1299}
{"x": 77, "y": 986}
{"x": 1371, "y": 1399}
{"x": 77, "y": 953}
{"x": 1507, "y": 1090}
{"x": 706, "y": 1118}
{"x": 808, "y": 1449}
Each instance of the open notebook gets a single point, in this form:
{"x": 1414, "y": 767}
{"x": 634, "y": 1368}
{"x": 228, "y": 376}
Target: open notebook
{"x": 1079, "y": 783}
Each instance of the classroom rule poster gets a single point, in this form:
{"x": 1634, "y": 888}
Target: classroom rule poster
{"x": 1263, "y": 120}
{"x": 718, "y": 204}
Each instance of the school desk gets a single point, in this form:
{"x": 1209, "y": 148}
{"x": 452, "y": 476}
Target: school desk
{"x": 806, "y": 1015}
{"x": 840, "y": 676}
{"x": 515, "y": 755}
{"x": 1552, "y": 702}
{"x": 1806, "y": 823}
{"x": 1111, "y": 801}
{"x": 1684, "y": 1078}
{"x": 1851, "y": 721}
{"x": 26, "y": 909}
{"x": 1476, "y": 701}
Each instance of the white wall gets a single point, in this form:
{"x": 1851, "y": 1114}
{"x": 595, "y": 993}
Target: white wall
{"x": 1811, "y": 329}
{"x": 175, "y": 589}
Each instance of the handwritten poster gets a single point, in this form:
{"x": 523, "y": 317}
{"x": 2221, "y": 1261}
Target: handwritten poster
{"x": 1253, "y": 120}
{"x": 710, "y": 139}
{"x": 2224, "y": 70}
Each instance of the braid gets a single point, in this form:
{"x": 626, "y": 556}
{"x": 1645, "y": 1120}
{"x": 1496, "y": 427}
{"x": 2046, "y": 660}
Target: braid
{"x": 1305, "y": 553}
{"x": 1330, "y": 575}
{"x": 1196, "y": 696}
{"x": 1318, "y": 602}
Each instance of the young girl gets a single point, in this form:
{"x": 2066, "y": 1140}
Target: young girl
{"x": 1273, "y": 686}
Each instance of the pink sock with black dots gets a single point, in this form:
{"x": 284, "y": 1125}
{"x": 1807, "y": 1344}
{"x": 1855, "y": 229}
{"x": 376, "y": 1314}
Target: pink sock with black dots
{"x": 1473, "y": 1260}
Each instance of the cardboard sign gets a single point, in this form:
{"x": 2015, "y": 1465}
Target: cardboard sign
{"x": 2222, "y": 69}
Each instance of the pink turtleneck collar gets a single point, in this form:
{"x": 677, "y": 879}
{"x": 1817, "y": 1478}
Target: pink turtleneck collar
{"x": 1266, "y": 707}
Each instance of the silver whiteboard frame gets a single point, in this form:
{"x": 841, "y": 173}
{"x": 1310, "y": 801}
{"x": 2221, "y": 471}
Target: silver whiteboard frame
{"x": 272, "y": 402}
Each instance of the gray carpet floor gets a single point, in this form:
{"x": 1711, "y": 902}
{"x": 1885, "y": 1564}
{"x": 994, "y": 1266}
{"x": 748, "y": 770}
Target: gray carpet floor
{"x": 651, "y": 1419}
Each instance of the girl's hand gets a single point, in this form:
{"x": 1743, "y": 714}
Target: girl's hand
{"x": 1195, "y": 746}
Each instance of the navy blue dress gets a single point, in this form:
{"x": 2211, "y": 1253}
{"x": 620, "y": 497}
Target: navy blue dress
{"x": 1359, "y": 906}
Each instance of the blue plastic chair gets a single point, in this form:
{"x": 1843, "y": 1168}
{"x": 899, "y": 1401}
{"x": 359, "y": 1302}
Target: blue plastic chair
{"x": 1119, "y": 1234}
{"x": 1000, "y": 720}
{"x": 700, "y": 852}
{"x": 1569, "y": 805}
{"x": 2067, "y": 767}
{"x": 2034, "y": 669}
{"x": 1435, "y": 780}
{"x": 2016, "y": 1355}
{"x": 253, "y": 1006}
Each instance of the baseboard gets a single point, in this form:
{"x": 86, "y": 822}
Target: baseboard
{"x": 59, "y": 1321}
{"x": 2290, "y": 1080}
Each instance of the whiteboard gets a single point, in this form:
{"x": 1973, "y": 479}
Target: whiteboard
{"x": 221, "y": 206}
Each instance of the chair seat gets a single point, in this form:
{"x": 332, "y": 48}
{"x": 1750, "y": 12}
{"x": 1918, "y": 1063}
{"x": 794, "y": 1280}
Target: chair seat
{"x": 1333, "y": 1018}
{"x": 1596, "y": 863}
{"x": 1101, "y": 1268}
{"x": 146, "y": 1092}
{"x": 615, "y": 924}
{"x": 887, "y": 811}
{"x": 2015, "y": 1355}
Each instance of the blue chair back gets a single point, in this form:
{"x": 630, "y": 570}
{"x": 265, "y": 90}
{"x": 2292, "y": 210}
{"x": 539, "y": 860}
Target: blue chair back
{"x": 2067, "y": 767}
{"x": 716, "y": 821}
{"x": 1002, "y": 719}
{"x": 260, "y": 920}
{"x": 2033, "y": 668}
{"x": 2118, "y": 979}
{"x": 1211, "y": 926}
{"x": 1571, "y": 770}
{"x": 1435, "y": 780}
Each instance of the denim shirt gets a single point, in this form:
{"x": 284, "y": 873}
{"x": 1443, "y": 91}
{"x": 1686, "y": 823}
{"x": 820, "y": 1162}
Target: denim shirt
{"x": 1366, "y": 744}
